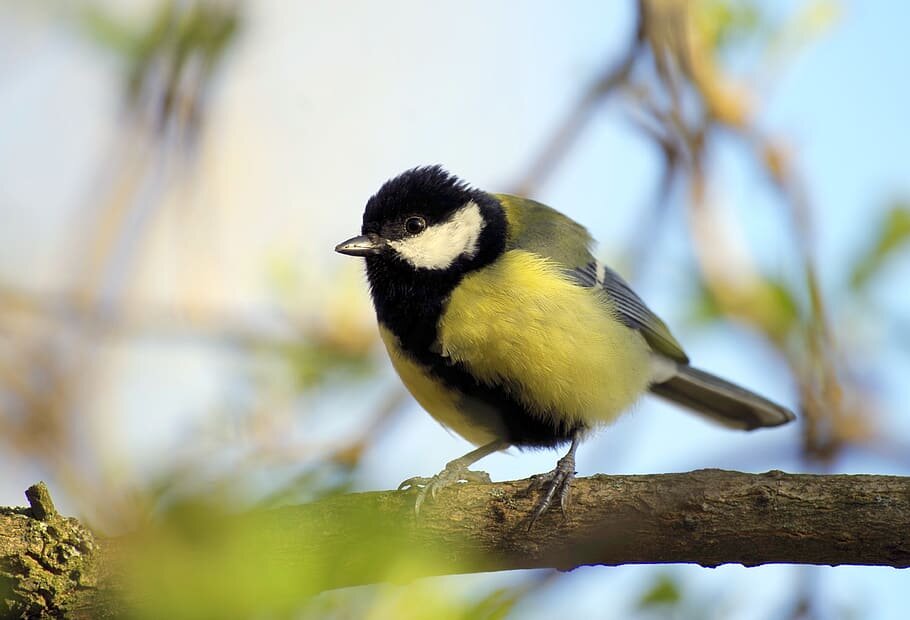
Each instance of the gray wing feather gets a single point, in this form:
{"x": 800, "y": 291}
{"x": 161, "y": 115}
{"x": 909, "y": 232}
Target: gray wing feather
{"x": 631, "y": 310}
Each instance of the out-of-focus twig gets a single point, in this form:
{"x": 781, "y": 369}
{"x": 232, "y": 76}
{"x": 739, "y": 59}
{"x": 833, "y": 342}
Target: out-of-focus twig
{"x": 559, "y": 143}
{"x": 169, "y": 68}
{"x": 830, "y": 420}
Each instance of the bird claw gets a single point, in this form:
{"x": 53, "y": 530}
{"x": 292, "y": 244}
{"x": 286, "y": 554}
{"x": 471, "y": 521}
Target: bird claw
{"x": 557, "y": 481}
{"x": 447, "y": 477}
{"x": 413, "y": 483}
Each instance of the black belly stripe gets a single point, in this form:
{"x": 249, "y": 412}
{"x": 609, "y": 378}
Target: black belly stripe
{"x": 523, "y": 427}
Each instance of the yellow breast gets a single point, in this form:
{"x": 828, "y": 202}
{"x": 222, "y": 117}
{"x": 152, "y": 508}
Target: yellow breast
{"x": 558, "y": 347}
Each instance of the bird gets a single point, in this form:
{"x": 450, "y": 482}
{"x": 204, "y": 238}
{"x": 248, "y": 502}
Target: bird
{"x": 505, "y": 328}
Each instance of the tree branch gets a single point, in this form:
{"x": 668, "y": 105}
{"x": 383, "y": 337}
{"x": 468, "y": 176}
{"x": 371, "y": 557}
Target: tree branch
{"x": 706, "y": 517}
{"x": 565, "y": 135}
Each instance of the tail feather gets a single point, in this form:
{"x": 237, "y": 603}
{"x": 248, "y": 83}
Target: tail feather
{"x": 720, "y": 400}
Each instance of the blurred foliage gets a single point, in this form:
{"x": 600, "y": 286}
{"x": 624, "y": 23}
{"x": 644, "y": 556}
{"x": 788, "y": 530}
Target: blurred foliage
{"x": 726, "y": 26}
{"x": 205, "y": 27}
{"x": 892, "y": 236}
{"x": 201, "y": 559}
{"x": 170, "y": 59}
{"x": 314, "y": 359}
{"x": 663, "y": 592}
{"x": 422, "y": 600}
{"x": 725, "y": 23}
{"x": 773, "y": 305}
{"x": 338, "y": 342}
{"x": 666, "y": 598}
{"x": 692, "y": 98}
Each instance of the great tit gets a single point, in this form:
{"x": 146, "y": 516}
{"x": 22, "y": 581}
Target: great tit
{"x": 505, "y": 328}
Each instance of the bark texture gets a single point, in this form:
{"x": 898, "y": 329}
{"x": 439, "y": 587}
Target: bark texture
{"x": 52, "y": 565}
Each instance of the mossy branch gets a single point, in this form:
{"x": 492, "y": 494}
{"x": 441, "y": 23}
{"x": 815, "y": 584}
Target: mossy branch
{"x": 52, "y": 565}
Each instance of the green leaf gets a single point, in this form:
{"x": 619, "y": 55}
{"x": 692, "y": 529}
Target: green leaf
{"x": 774, "y": 308}
{"x": 664, "y": 591}
{"x": 781, "y": 309}
{"x": 313, "y": 361}
{"x": 725, "y": 23}
{"x": 705, "y": 308}
{"x": 108, "y": 32}
{"x": 893, "y": 236}
{"x": 495, "y": 606}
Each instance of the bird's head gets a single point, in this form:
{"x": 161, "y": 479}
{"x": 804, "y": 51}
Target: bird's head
{"x": 428, "y": 223}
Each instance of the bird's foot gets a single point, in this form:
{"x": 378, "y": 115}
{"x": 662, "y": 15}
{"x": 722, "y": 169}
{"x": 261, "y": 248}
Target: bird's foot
{"x": 555, "y": 483}
{"x": 453, "y": 473}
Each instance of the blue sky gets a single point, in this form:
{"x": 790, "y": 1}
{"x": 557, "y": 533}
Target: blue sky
{"x": 322, "y": 103}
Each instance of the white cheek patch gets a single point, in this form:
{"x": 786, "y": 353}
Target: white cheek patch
{"x": 439, "y": 246}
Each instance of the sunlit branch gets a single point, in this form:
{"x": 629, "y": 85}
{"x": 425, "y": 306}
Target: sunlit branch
{"x": 706, "y": 517}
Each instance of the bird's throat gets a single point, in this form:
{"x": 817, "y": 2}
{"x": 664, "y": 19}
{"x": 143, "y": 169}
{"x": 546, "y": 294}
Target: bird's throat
{"x": 410, "y": 303}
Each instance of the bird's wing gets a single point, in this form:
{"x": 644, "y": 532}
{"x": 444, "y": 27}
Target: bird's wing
{"x": 631, "y": 309}
{"x": 538, "y": 228}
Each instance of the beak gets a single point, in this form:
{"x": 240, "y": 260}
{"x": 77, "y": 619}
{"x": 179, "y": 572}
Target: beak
{"x": 364, "y": 245}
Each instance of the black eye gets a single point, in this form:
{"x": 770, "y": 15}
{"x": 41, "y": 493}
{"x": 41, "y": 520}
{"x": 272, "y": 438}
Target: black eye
{"x": 414, "y": 225}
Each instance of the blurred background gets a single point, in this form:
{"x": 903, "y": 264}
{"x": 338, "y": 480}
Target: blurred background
{"x": 174, "y": 323}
